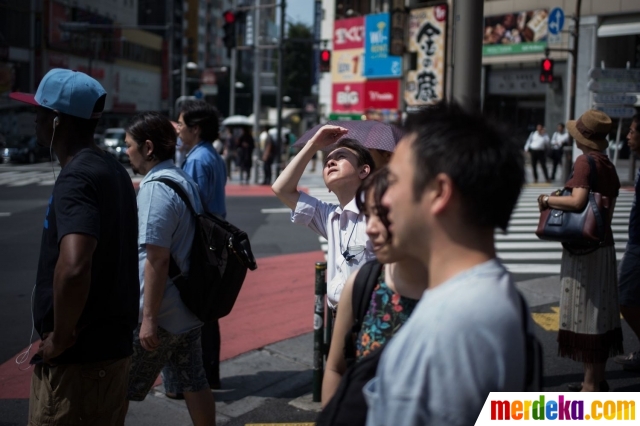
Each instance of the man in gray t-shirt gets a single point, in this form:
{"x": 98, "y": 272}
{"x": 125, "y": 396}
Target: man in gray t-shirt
{"x": 453, "y": 179}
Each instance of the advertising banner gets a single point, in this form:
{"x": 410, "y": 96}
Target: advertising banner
{"x": 382, "y": 94}
{"x": 377, "y": 61}
{"x": 348, "y": 97}
{"x": 348, "y": 33}
{"x": 346, "y": 66}
{"x": 427, "y": 39}
{"x": 523, "y": 32}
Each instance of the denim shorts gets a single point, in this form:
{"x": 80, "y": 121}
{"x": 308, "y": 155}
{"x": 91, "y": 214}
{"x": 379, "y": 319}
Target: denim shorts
{"x": 180, "y": 353}
{"x": 629, "y": 277}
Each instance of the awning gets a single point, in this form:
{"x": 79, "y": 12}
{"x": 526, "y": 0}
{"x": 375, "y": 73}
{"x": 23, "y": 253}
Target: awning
{"x": 619, "y": 26}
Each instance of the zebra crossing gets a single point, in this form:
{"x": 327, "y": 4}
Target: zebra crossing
{"x": 39, "y": 174}
{"x": 520, "y": 250}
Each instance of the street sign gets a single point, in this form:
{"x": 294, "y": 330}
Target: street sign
{"x": 615, "y": 99}
{"x": 616, "y": 73}
{"x": 198, "y": 94}
{"x": 618, "y": 111}
{"x": 616, "y": 86}
{"x": 209, "y": 89}
{"x": 556, "y": 21}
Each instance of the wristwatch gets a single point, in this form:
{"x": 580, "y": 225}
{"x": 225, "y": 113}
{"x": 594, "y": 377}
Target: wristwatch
{"x": 545, "y": 201}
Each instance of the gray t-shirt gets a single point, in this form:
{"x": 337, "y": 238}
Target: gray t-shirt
{"x": 165, "y": 221}
{"x": 463, "y": 340}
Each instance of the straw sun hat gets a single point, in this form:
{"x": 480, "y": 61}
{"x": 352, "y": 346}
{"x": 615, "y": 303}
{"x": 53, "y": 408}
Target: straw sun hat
{"x": 591, "y": 129}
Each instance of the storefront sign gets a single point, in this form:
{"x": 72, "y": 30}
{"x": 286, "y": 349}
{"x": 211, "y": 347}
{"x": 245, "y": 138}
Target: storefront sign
{"x": 515, "y": 82}
{"x": 377, "y": 61}
{"x": 346, "y": 66}
{"x": 382, "y": 94}
{"x": 348, "y": 33}
{"x": 427, "y": 37}
{"x": 524, "y": 32}
{"x": 348, "y": 97}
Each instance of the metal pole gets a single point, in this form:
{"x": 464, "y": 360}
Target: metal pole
{"x": 615, "y": 155}
{"x": 256, "y": 80}
{"x": 572, "y": 93}
{"x": 283, "y": 7}
{"x": 232, "y": 73}
{"x": 183, "y": 78}
{"x": 171, "y": 79}
{"x": 467, "y": 52}
{"x": 318, "y": 338}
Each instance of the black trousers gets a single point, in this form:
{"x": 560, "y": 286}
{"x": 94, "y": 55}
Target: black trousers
{"x": 539, "y": 156}
{"x": 556, "y": 156}
{"x": 211, "y": 352}
{"x": 266, "y": 167}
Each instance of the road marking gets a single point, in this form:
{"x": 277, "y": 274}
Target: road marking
{"x": 5, "y": 214}
{"x": 532, "y": 268}
{"x": 276, "y": 210}
{"x": 544, "y": 255}
{"x": 548, "y": 321}
{"x": 532, "y": 228}
{"x": 533, "y": 237}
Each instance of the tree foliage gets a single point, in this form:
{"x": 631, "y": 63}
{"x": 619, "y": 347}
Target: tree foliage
{"x": 298, "y": 63}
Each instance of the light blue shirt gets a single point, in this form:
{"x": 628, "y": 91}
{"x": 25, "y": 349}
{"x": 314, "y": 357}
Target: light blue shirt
{"x": 208, "y": 170}
{"x": 463, "y": 340}
{"x": 165, "y": 221}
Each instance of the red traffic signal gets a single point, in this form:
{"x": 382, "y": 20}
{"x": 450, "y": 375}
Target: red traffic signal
{"x": 546, "y": 70}
{"x": 229, "y": 17}
{"x": 325, "y": 60}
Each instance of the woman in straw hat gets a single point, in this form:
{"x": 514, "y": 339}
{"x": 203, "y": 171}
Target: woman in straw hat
{"x": 590, "y": 330}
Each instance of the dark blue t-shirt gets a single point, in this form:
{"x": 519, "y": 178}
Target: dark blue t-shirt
{"x": 93, "y": 195}
{"x": 634, "y": 218}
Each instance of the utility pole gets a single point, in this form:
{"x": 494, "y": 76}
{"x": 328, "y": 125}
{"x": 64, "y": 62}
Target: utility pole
{"x": 257, "y": 58}
{"x": 171, "y": 79}
{"x": 467, "y": 52}
{"x": 232, "y": 72}
{"x": 283, "y": 6}
{"x": 568, "y": 151}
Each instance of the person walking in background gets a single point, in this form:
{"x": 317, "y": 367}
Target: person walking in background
{"x": 559, "y": 140}
{"x": 245, "y": 146}
{"x": 229, "y": 153}
{"x": 629, "y": 269}
{"x": 537, "y": 146}
{"x": 401, "y": 282}
{"x": 86, "y": 295}
{"x": 590, "y": 330}
{"x": 342, "y": 225}
{"x": 199, "y": 126}
{"x": 269, "y": 152}
{"x": 465, "y": 337}
{"x": 168, "y": 333}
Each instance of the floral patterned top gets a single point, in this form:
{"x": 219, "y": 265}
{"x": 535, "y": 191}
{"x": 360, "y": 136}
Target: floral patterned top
{"x": 386, "y": 314}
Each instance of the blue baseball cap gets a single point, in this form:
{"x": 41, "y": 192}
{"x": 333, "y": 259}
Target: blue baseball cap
{"x": 69, "y": 92}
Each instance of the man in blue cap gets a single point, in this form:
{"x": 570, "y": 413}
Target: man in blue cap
{"x": 87, "y": 293}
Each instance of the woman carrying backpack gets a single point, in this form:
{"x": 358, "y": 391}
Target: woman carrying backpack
{"x": 386, "y": 303}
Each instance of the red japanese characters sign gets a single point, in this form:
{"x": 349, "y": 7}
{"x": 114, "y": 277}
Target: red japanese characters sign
{"x": 348, "y": 33}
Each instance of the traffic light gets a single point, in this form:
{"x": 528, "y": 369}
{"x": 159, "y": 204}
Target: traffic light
{"x": 229, "y": 27}
{"x": 546, "y": 71}
{"x": 325, "y": 60}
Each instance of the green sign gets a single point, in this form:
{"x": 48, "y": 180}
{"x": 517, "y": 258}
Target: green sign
{"x": 510, "y": 49}
{"x": 345, "y": 117}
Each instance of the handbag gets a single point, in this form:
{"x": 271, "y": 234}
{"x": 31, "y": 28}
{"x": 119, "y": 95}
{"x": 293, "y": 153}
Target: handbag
{"x": 583, "y": 230}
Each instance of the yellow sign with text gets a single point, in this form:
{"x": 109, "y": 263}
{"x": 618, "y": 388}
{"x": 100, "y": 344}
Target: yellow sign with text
{"x": 346, "y": 66}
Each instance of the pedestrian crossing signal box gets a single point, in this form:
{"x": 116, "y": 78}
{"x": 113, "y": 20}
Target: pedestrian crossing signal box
{"x": 325, "y": 60}
{"x": 229, "y": 28}
{"x": 546, "y": 71}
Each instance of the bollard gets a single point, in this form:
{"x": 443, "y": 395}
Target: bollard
{"x": 318, "y": 330}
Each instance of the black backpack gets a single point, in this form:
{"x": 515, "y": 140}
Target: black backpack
{"x": 220, "y": 256}
{"x": 348, "y": 406}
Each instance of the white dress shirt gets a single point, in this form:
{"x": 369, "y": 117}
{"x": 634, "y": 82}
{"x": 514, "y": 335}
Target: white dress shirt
{"x": 344, "y": 230}
{"x": 558, "y": 139}
{"x": 537, "y": 142}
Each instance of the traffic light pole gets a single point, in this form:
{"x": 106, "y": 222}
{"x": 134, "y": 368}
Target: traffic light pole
{"x": 283, "y": 7}
{"x": 232, "y": 73}
{"x": 257, "y": 57}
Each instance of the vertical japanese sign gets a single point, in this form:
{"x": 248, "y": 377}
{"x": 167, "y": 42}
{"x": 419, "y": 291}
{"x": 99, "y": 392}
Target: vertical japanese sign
{"x": 377, "y": 61}
{"x": 427, "y": 39}
{"x": 347, "y": 64}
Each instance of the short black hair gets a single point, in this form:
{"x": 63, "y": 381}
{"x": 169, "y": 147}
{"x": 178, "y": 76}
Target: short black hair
{"x": 485, "y": 164}
{"x": 203, "y": 115}
{"x": 362, "y": 153}
{"x": 158, "y": 129}
{"x": 81, "y": 126}
{"x": 378, "y": 182}
{"x": 636, "y": 119}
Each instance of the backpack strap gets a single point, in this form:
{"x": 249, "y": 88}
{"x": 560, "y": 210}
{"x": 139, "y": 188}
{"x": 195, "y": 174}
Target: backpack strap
{"x": 365, "y": 282}
{"x": 175, "y": 273}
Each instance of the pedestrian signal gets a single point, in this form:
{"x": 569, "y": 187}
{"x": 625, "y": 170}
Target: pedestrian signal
{"x": 325, "y": 60}
{"x": 546, "y": 71}
{"x": 229, "y": 27}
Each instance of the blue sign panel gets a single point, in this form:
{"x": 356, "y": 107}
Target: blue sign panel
{"x": 556, "y": 21}
{"x": 377, "y": 61}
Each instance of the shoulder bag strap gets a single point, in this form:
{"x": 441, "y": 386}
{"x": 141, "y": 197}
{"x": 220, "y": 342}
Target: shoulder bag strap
{"x": 593, "y": 178}
{"x": 175, "y": 273}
